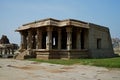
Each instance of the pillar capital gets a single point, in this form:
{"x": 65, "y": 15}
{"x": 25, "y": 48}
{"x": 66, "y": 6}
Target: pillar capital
{"x": 49, "y": 28}
{"x": 69, "y": 29}
{"x": 59, "y": 30}
{"x": 79, "y": 30}
{"x": 23, "y": 33}
{"x": 29, "y": 32}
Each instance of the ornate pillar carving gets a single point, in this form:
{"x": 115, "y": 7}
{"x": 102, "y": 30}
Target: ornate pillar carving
{"x": 69, "y": 38}
{"x": 59, "y": 39}
{"x": 34, "y": 40}
{"x": 78, "y": 42}
{"x": 21, "y": 45}
{"x": 39, "y": 39}
{"x": 49, "y": 38}
{"x": 29, "y": 42}
{"x": 23, "y": 40}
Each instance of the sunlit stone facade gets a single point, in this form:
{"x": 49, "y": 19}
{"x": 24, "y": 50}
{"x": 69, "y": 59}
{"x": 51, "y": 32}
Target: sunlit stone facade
{"x": 64, "y": 39}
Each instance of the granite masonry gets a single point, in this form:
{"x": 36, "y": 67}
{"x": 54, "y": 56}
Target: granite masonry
{"x": 64, "y": 39}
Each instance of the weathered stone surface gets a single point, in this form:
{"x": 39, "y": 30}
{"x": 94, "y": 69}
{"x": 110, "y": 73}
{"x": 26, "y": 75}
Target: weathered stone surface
{"x": 70, "y": 38}
{"x": 4, "y": 40}
{"x": 11, "y": 69}
{"x": 6, "y": 48}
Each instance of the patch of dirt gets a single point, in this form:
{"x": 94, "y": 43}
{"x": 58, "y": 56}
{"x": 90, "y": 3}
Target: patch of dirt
{"x": 35, "y": 63}
{"x": 56, "y": 71}
{"x": 11, "y": 69}
{"x": 66, "y": 68}
{"x": 27, "y": 67}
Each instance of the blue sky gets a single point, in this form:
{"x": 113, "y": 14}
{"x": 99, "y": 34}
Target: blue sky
{"x": 14, "y": 13}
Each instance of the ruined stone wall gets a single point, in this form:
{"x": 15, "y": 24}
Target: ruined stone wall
{"x": 100, "y": 44}
{"x": 6, "y": 48}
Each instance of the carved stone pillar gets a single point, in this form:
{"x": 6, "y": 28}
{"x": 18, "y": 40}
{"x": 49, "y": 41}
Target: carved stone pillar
{"x": 0, "y": 50}
{"x": 59, "y": 39}
{"x": 69, "y": 38}
{"x": 49, "y": 38}
{"x": 39, "y": 39}
{"x": 21, "y": 33}
{"x": 78, "y": 42}
{"x": 5, "y": 50}
{"x": 29, "y": 42}
{"x": 34, "y": 41}
{"x": 23, "y": 40}
{"x": 8, "y": 50}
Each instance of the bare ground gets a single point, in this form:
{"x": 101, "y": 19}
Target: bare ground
{"x": 11, "y": 69}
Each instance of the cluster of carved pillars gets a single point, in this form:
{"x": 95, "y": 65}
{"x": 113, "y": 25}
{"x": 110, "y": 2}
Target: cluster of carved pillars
{"x": 30, "y": 38}
{"x": 6, "y": 50}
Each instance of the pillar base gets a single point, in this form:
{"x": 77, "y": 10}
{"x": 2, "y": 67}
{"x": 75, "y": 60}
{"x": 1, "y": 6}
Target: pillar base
{"x": 61, "y": 54}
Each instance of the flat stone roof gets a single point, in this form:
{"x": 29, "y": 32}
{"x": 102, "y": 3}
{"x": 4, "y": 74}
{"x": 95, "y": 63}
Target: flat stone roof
{"x": 54, "y": 22}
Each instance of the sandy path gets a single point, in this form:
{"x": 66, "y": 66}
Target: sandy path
{"x": 11, "y": 69}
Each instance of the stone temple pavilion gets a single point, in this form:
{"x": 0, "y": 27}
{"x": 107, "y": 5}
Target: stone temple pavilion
{"x": 64, "y": 39}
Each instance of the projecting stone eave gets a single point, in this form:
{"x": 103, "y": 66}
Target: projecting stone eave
{"x": 54, "y": 22}
{"x": 42, "y": 20}
{"x": 99, "y": 26}
{"x": 73, "y": 22}
{"x": 21, "y": 28}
